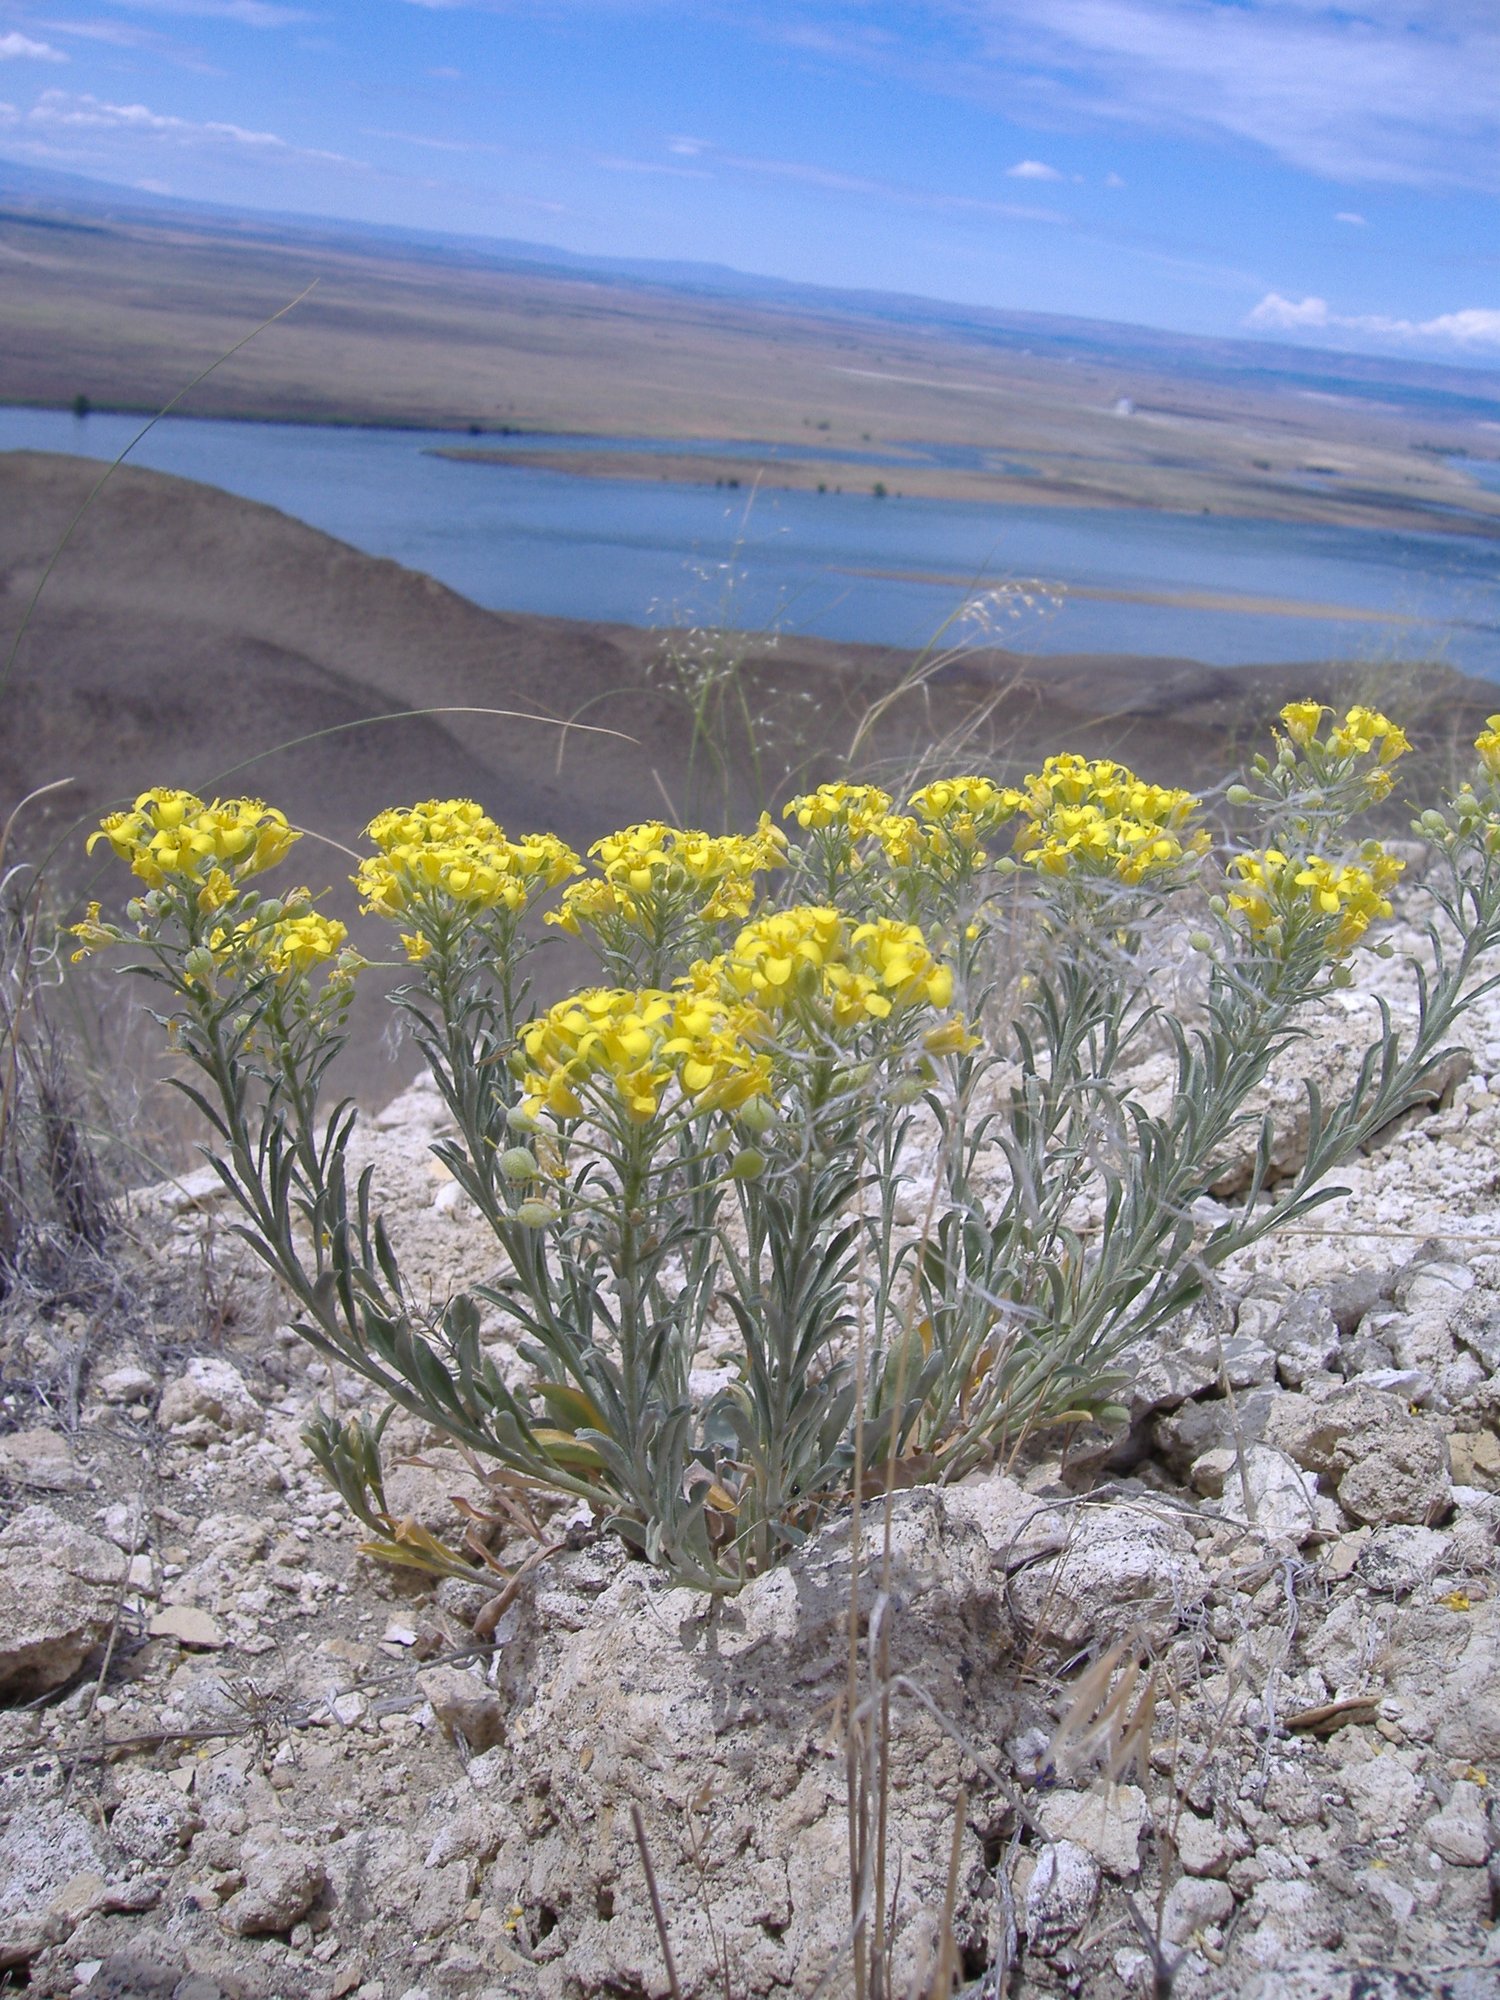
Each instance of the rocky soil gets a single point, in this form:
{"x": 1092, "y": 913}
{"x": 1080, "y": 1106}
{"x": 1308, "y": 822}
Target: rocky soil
{"x": 239, "y": 1761}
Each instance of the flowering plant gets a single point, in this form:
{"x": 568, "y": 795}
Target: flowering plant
{"x": 726, "y": 1313}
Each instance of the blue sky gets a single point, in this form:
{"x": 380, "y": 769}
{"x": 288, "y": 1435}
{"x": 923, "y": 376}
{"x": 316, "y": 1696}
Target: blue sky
{"x": 1328, "y": 173}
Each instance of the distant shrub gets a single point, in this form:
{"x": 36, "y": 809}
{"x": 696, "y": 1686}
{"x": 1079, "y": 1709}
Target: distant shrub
{"x": 708, "y": 1157}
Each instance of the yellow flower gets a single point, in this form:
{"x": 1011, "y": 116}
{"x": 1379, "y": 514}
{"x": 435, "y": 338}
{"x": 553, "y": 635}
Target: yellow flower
{"x": 1303, "y": 719}
{"x": 1279, "y": 895}
{"x": 448, "y": 853}
{"x": 92, "y": 935}
{"x": 298, "y": 943}
{"x": 636, "y": 1046}
{"x": 171, "y": 835}
{"x": 1099, "y": 818}
{"x": 654, "y": 874}
{"x": 1363, "y": 730}
{"x": 1487, "y": 743}
{"x": 856, "y": 809}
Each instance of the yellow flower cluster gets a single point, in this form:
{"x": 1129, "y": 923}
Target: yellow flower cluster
{"x": 1099, "y": 818}
{"x": 285, "y": 938}
{"x": 643, "y": 865}
{"x": 855, "y": 810}
{"x": 1279, "y": 894}
{"x": 1362, "y": 733}
{"x": 639, "y": 1045}
{"x": 171, "y": 835}
{"x": 449, "y": 851}
{"x": 1487, "y": 743}
{"x": 297, "y": 944}
{"x": 966, "y": 809}
{"x": 814, "y": 954}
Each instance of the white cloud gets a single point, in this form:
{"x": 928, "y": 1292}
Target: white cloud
{"x": 1354, "y": 221}
{"x": 1476, "y": 326}
{"x": 1032, "y": 170}
{"x": 60, "y": 116}
{"x": 1114, "y": 180}
{"x": 14, "y": 48}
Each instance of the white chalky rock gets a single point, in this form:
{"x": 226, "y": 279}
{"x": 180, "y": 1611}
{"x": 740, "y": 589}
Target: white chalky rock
{"x": 52, "y": 1862}
{"x": 1460, "y": 1832}
{"x": 59, "y": 1594}
{"x": 1194, "y": 1905}
{"x": 208, "y": 1400}
{"x": 282, "y": 1883}
{"x": 1060, "y": 1896}
{"x": 1388, "y": 1463}
{"x": 1123, "y": 1569}
{"x": 42, "y": 1460}
{"x": 126, "y": 1385}
{"x": 1108, "y": 1822}
{"x": 1384, "y": 1794}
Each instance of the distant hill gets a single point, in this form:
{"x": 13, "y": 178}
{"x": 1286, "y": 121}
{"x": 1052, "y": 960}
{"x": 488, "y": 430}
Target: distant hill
{"x": 52, "y": 199}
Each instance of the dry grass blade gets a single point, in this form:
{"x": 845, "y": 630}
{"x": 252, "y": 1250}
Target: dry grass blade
{"x": 1107, "y": 1724}
{"x": 657, "y": 1912}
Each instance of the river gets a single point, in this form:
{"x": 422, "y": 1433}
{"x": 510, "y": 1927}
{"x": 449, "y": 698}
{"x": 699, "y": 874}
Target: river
{"x": 841, "y": 566}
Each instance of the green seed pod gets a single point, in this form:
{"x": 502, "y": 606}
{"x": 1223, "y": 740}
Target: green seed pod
{"x": 1200, "y": 941}
{"x": 519, "y": 1119}
{"x": 906, "y": 1090}
{"x": 517, "y": 1164}
{"x": 198, "y": 963}
{"x": 748, "y": 1164}
{"x": 536, "y": 1214}
{"x": 1341, "y": 976}
{"x": 1240, "y": 795}
{"x": 755, "y": 1115}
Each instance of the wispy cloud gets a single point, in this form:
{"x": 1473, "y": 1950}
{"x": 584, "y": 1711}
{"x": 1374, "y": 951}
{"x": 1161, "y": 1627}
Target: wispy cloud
{"x": 248, "y": 13}
{"x": 831, "y": 180}
{"x": 132, "y": 35}
{"x": 1476, "y": 326}
{"x": 1354, "y": 220}
{"x": 61, "y": 118}
{"x": 615, "y": 163}
{"x": 1033, "y": 170}
{"x": 21, "y": 48}
{"x": 1403, "y": 91}
{"x": 1356, "y": 90}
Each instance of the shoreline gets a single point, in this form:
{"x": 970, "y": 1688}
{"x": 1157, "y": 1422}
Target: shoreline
{"x": 1086, "y": 490}
{"x": 1358, "y": 507}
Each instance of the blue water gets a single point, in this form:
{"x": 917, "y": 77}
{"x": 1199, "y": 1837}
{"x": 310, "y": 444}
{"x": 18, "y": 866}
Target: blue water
{"x": 844, "y": 566}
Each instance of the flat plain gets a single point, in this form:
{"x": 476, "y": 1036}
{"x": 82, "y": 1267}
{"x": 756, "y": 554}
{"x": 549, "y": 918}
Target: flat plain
{"x": 126, "y": 308}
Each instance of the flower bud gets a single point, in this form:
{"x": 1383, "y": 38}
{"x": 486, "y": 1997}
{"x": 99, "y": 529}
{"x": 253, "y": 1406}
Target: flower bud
{"x": 536, "y": 1214}
{"x": 519, "y": 1119}
{"x": 1200, "y": 941}
{"x": 198, "y": 963}
{"x": 756, "y": 1115}
{"x": 1240, "y": 795}
{"x": 517, "y": 1163}
{"x": 748, "y": 1164}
